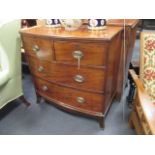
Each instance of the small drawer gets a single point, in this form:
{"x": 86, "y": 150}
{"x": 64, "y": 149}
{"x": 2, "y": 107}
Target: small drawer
{"x": 89, "y": 53}
{"x": 68, "y": 96}
{"x": 37, "y": 47}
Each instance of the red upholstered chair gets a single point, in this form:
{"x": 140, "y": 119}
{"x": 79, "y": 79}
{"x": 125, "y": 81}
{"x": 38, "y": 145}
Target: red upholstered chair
{"x": 142, "y": 117}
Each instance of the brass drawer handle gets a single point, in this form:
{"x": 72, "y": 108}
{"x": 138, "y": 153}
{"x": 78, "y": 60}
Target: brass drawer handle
{"x": 35, "y": 48}
{"x": 79, "y": 78}
{"x": 78, "y": 54}
{"x": 44, "y": 88}
{"x": 40, "y": 69}
{"x": 80, "y": 100}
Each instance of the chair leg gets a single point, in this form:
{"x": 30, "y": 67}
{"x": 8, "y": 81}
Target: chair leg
{"x": 131, "y": 94}
{"x": 22, "y": 98}
{"x": 130, "y": 123}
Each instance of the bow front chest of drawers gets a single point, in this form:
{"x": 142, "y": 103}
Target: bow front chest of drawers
{"x": 75, "y": 70}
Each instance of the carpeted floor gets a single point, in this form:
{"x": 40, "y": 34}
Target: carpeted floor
{"x": 45, "y": 119}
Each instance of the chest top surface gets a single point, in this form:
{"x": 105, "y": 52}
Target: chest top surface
{"x": 121, "y": 22}
{"x": 82, "y": 33}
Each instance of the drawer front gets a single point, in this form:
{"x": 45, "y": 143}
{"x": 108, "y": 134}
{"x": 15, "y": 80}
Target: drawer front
{"x": 37, "y": 47}
{"x": 88, "y": 53}
{"x": 39, "y": 67}
{"x": 84, "y": 100}
{"x": 83, "y": 78}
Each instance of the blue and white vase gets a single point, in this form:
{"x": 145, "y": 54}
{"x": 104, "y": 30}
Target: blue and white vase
{"x": 96, "y": 24}
{"x": 53, "y": 23}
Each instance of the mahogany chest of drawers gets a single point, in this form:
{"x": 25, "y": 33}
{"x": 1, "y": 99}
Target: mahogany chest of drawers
{"x": 75, "y": 70}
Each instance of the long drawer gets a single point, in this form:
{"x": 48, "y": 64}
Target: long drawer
{"x": 75, "y": 98}
{"x": 90, "y": 53}
{"x": 83, "y": 78}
